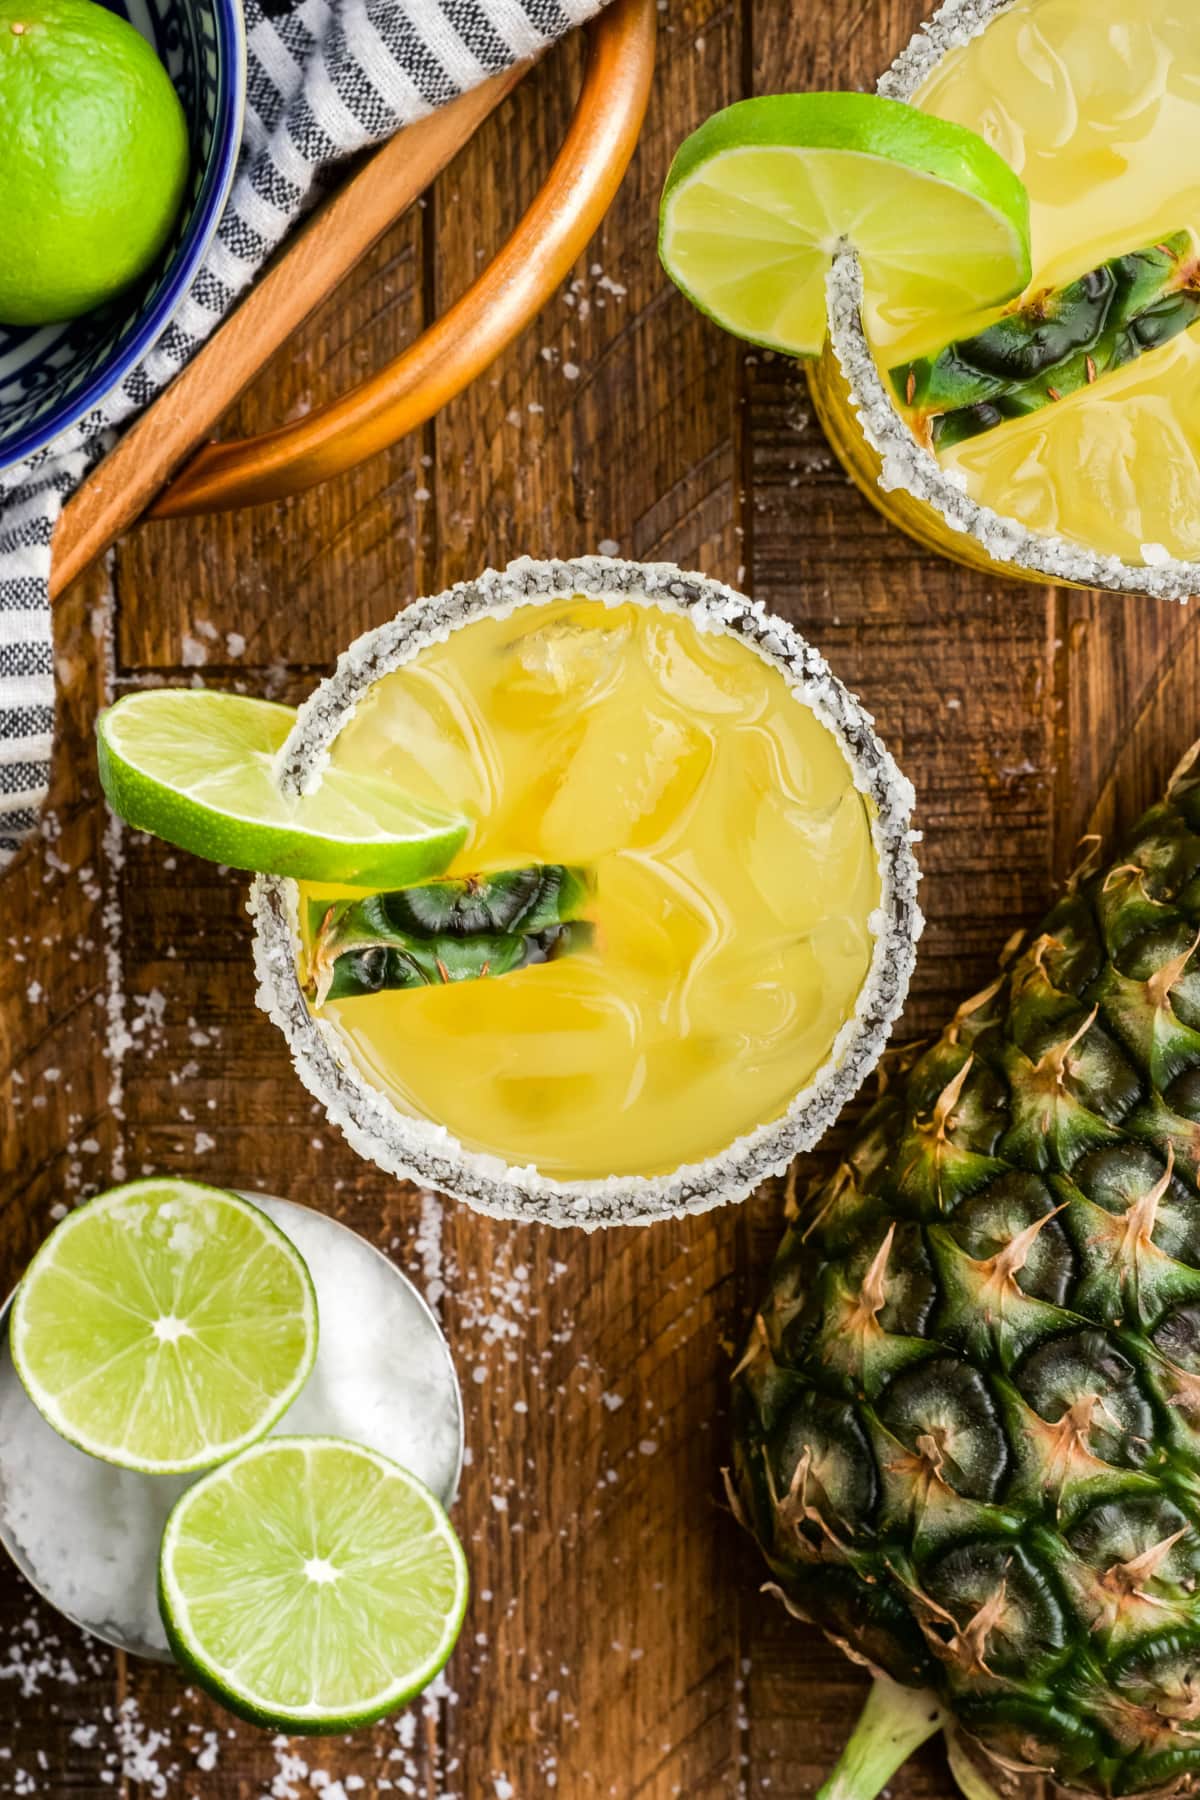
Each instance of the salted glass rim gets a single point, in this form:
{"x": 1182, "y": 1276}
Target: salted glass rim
{"x": 428, "y": 1154}
{"x": 906, "y": 464}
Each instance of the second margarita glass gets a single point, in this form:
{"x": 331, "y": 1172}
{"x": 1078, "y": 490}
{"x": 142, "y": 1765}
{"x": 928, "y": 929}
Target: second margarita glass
{"x": 1097, "y": 108}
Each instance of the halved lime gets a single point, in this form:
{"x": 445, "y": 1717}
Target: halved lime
{"x": 311, "y": 1585}
{"x": 198, "y": 767}
{"x": 760, "y": 198}
{"x": 165, "y": 1326}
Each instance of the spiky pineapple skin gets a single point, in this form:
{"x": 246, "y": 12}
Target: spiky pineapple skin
{"x": 1053, "y": 345}
{"x": 967, "y": 1420}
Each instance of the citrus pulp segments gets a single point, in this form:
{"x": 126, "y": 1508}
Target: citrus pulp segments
{"x": 311, "y": 1585}
{"x": 164, "y": 1326}
{"x": 198, "y": 767}
{"x": 760, "y": 198}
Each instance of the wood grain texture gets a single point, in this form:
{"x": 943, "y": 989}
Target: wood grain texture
{"x": 617, "y": 1644}
{"x": 311, "y": 265}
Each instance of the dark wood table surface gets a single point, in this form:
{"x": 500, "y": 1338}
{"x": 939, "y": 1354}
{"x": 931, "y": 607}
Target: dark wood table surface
{"x": 616, "y": 1642}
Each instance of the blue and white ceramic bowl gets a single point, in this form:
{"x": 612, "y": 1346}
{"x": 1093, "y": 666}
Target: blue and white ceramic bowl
{"x": 50, "y": 376}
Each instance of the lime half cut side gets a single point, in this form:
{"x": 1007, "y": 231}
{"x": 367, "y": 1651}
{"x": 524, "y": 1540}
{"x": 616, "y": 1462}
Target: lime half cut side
{"x": 311, "y": 1585}
{"x": 164, "y": 1326}
{"x": 199, "y": 768}
{"x": 759, "y": 200}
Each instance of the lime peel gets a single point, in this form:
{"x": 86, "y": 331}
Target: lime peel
{"x": 761, "y": 197}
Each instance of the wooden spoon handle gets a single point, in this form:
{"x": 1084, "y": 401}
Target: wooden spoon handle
{"x": 438, "y": 365}
{"x": 511, "y": 291}
{"x": 323, "y": 251}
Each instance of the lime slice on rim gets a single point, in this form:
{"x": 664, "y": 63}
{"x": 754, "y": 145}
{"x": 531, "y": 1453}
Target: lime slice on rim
{"x": 198, "y": 767}
{"x": 164, "y": 1326}
{"x": 311, "y": 1585}
{"x": 760, "y": 198}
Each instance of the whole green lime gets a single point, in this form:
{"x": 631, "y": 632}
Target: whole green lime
{"x": 94, "y": 159}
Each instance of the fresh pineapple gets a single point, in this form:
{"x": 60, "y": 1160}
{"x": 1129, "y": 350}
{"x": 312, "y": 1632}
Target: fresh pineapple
{"x": 1054, "y": 344}
{"x": 461, "y": 928}
{"x": 967, "y": 1423}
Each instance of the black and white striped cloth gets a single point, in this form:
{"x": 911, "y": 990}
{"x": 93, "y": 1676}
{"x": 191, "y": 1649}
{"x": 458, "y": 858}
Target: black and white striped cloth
{"x": 326, "y": 77}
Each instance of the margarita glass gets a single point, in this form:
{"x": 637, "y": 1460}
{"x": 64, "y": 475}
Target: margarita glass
{"x": 1096, "y": 105}
{"x": 752, "y": 894}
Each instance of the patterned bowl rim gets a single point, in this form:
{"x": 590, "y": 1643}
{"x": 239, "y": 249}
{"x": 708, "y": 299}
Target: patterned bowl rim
{"x": 182, "y": 269}
{"x": 429, "y": 1154}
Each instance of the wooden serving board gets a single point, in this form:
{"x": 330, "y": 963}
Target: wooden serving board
{"x": 616, "y": 1643}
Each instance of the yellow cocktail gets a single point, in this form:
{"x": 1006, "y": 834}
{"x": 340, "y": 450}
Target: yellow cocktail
{"x": 750, "y": 883}
{"x": 1096, "y": 105}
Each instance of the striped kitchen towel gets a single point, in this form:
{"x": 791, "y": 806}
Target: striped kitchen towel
{"x": 326, "y": 77}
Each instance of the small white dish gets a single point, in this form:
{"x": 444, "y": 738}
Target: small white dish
{"x": 86, "y": 1534}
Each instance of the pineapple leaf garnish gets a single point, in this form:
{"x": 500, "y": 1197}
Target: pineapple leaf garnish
{"x": 1062, "y": 340}
{"x": 468, "y": 928}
